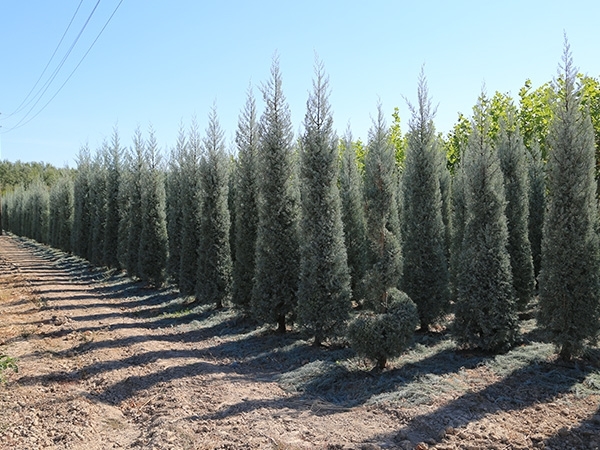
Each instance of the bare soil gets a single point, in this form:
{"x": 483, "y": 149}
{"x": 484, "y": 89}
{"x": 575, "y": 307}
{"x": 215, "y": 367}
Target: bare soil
{"x": 105, "y": 362}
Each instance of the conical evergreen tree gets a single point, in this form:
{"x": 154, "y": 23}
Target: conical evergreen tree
{"x": 38, "y": 207}
{"x": 113, "y": 211}
{"x": 486, "y": 313}
{"x": 570, "y": 273}
{"x": 214, "y": 252}
{"x": 246, "y": 208}
{"x": 61, "y": 205}
{"x": 353, "y": 214}
{"x": 82, "y": 224}
{"x": 174, "y": 189}
{"x": 426, "y": 278}
{"x": 324, "y": 287}
{"x": 513, "y": 162}
{"x": 277, "y": 241}
{"x": 125, "y": 202}
{"x": 98, "y": 204}
{"x": 537, "y": 204}
{"x": 384, "y": 331}
{"x": 152, "y": 258}
{"x": 191, "y": 207}
{"x": 134, "y": 213}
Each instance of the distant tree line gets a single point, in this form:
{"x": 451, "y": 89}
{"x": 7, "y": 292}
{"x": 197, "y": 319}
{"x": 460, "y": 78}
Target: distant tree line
{"x": 370, "y": 242}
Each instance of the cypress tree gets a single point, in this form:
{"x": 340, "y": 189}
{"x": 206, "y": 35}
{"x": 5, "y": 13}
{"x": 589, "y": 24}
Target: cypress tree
{"x": 537, "y": 203}
{"x": 191, "y": 207}
{"x": 384, "y": 331}
{"x": 98, "y": 205}
{"x": 134, "y": 214}
{"x": 486, "y": 314}
{"x": 39, "y": 211}
{"x": 513, "y": 162}
{"x": 174, "y": 189}
{"x": 426, "y": 278}
{"x": 324, "y": 286}
{"x": 353, "y": 214}
{"x": 570, "y": 272}
{"x": 113, "y": 211}
{"x": 246, "y": 208}
{"x": 214, "y": 252}
{"x": 61, "y": 205}
{"x": 82, "y": 224}
{"x": 125, "y": 202}
{"x": 152, "y": 259}
{"x": 277, "y": 241}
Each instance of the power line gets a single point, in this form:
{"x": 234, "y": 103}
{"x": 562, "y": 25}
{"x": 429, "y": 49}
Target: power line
{"x": 46, "y": 85}
{"x": 19, "y": 125}
{"x": 47, "y": 64}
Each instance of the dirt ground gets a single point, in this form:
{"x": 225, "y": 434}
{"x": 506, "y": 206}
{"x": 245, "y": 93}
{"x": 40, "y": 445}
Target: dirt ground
{"x": 106, "y": 363}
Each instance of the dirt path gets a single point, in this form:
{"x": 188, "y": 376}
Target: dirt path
{"x": 105, "y": 363}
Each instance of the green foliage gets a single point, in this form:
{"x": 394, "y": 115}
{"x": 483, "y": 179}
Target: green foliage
{"x": 426, "y": 278}
{"x": 458, "y": 229}
{"x": 277, "y": 242}
{"x": 535, "y": 114}
{"x": 570, "y": 274}
{"x": 382, "y": 336}
{"x": 397, "y": 139}
{"x": 456, "y": 141}
{"x": 353, "y": 214}
{"x": 13, "y": 174}
{"x": 152, "y": 258}
{"x": 214, "y": 252}
{"x": 513, "y": 162}
{"x": 486, "y": 314}
{"x": 324, "y": 286}
{"x": 246, "y": 204}
{"x": 7, "y": 363}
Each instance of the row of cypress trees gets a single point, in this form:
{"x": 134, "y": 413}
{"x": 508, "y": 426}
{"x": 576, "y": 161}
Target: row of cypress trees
{"x": 299, "y": 231}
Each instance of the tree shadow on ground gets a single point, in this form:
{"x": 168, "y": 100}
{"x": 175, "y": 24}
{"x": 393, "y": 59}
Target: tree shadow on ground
{"x": 585, "y": 435}
{"x": 537, "y": 382}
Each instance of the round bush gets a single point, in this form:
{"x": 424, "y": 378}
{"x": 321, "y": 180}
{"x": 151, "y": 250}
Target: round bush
{"x": 386, "y": 335}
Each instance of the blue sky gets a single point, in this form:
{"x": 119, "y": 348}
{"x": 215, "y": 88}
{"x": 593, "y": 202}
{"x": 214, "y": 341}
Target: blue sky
{"x": 161, "y": 63}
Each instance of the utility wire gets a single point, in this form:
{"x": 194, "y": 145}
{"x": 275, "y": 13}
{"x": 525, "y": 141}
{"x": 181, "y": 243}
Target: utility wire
{"x": 19, "y": 108}
{"x": 19, "y": 125}
{"x": 46, "y": 85}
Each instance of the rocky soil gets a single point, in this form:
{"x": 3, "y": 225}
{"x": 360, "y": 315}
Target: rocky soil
{"x": 105, "y": 362}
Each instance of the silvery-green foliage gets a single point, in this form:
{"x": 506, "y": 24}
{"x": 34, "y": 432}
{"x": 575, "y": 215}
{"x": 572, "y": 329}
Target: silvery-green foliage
{"x": 569, "y": 279}
{"x": 246, "y": 207}
{"x": 384, "y": 258}
{"x": 425, "y": 278}
{"x": 385, "y": 330}
{"x": 213, "y": 283}
{"x": 191, "y": 207}
{"x": 537, "y": 203}
{"x": 486, "y": 315}
{"x": 174, "y": 186}
{"x": 324, "y": 287}
{"x": 152, "y": 258}
{"x": 134, "y": 213}
{"x": 81, "y": 237}
{"x": 114, "y": 154}
{"x": 61, "y": 213}
{"x": 98, "y": 180}
{"x": 513, "y": 161}
{"x": 277, "y": 242}
{"x": 385, "y": 335}
{"x": 353, "y": 215}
